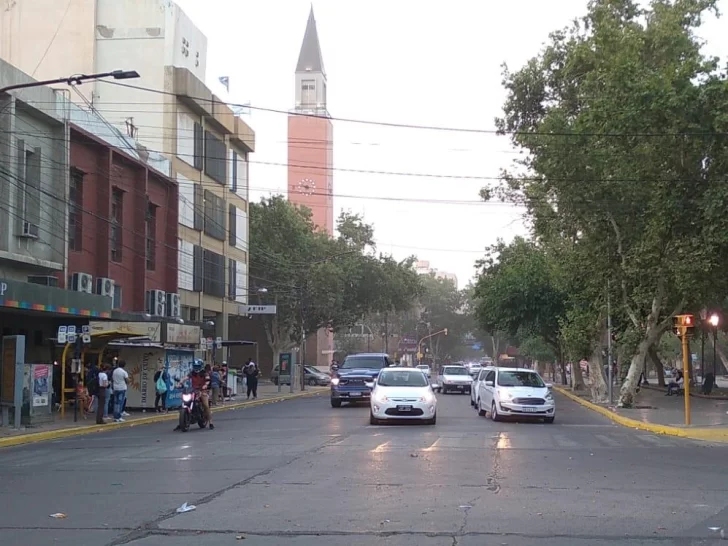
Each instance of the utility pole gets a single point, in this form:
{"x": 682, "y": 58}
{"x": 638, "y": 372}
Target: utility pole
{"x": 683, "y": 325}
{"x": 610, "y": 379}
{"x": 302, "y": 371}
{"x": 386, "y": 333}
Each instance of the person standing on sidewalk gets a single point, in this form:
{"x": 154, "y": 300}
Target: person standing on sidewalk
{"x": 119, "y": 380}
{"x": 215, "y": 386}
{"x": 161, "y": 385}
{"x": 251, "y": 373}
{"x": 102, "y": 407}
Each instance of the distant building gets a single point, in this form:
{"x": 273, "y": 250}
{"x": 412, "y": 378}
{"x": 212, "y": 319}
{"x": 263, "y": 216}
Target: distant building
{"x": 311, "y": 158}
{"x": 423, "y": 268}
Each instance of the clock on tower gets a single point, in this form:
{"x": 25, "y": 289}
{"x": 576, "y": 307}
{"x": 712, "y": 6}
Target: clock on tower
{"x": 307, "y": 186}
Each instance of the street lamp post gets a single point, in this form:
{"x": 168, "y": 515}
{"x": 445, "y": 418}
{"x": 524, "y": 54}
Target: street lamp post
{"x": 76, "y": 79}
{"x": 714, "y": 321}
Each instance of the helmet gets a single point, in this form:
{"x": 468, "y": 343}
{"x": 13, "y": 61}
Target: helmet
{"x": 197, "y": 365}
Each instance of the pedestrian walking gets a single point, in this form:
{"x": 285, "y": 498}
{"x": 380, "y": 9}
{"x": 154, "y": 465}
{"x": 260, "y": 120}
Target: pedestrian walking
{"x": 119, "y": 380}
{"x": 251, "y": 372}
{"x": 102, "y": 408}
{"x": 161, "y": 385}
{"x": 215, "y": 385}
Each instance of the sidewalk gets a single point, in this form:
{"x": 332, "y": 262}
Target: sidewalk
{"x": 267, "y": 393}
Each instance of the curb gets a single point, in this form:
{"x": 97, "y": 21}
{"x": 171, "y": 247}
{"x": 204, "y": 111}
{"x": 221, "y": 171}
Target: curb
{"x": 36, "y": 437}
{"x": 708, "y": 434}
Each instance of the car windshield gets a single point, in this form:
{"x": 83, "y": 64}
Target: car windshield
{"x": 520, "y": 379}
{"x": 312, "y": 370}
{"x": 401, "y": 379}
{"x": 454, "y": 370}
{"x": 366, "y": 362}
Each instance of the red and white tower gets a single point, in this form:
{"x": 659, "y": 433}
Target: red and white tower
{"x": 311, "y": 159}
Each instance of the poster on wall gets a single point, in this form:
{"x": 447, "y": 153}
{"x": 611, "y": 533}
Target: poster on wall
{"x": 41, "y": 388}
{"x": 141, "y": 365}
{"x": 179, "y": 365}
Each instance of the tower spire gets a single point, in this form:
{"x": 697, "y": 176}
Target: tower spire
{"x": 310, "y": 58}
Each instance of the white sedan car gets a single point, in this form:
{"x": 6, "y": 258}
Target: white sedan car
{"x": 515, "y": 392}
{"x": 454, "y": 379}
{"x": 476, "y": 384}
{"x": 425, "y": 368}
{"x": 402, "y": 393}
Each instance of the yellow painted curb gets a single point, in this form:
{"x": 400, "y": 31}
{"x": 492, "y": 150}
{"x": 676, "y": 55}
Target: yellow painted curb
{"x": 708, "y": 434}
{"x": 35, "y": 437}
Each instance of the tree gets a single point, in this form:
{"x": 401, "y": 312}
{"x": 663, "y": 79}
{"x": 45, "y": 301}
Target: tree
{"x": 619, "y": 116}
{"x": 516, "y": 293}
{"x": 442, "y": 306}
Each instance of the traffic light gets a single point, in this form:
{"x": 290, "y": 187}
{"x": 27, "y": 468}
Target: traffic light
{"x": 683, "y": 325}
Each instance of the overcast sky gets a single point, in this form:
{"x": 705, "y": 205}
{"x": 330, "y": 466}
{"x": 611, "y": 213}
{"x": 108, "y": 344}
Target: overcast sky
{"x": 404, "y": 61}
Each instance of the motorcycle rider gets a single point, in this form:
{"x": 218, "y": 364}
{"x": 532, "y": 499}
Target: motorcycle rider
{"x": 200, "y": 382}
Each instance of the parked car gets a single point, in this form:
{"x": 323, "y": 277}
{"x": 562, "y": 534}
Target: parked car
{"x": 474, "y": 369}
{"x": 425, "y": 368}
{"x": 353, "y": 380}
{"x": 515, "y": 392}
{"x": 476, "y": 384}
{"x": 313, "y": 377}
{"x": 454, "y": 378}
{"x": 402, "y": 393}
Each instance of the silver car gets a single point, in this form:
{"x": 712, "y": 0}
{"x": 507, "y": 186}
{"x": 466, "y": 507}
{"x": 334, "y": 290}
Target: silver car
{"x": 402, "y": 393}
{"x": 454, "y": 379}
{"x": 515, "y": 392}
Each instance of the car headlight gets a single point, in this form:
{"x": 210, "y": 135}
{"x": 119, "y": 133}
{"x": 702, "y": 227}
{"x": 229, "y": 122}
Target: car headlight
{"x": 382, "y": 398}
{"x": 505, "y": 395}
{"x": 428, "y": 398}
{"x": 550, "y": 397}
{"x": 335, "y": 381}
{"x": 369, "y": 384}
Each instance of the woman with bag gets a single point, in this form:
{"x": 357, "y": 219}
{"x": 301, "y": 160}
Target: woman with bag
{"x": 161, "y": 383}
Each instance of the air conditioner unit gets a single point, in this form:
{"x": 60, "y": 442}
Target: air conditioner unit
{"x": 174, "y": 309}
{"x": 82, "y": 282}
{"x": 157, "y": 303}
{"x": 105, "y": 287}
{"x": 30, "y": 230}
{"x": 45, "y": 280}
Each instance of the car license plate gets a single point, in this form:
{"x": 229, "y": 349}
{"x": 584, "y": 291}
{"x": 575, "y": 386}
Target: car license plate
{"x": 460, "y": 387}
{"x": 404, "y": 408}
{"x": 529, "y": 410}
{"x": 354, "y": 394}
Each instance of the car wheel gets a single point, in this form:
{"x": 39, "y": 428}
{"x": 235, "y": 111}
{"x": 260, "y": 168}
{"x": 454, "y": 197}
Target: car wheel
{"x": 494, "y": 412}
{"x": 481, "y": 411}
{"x": 373, "y": 420}
{"x": 335, "y": 403}
{"x": 433, "y": 421}
{"x": 275, "y": 380}
{"x": 549, "y": 420}
{"x": 312, "y": 382}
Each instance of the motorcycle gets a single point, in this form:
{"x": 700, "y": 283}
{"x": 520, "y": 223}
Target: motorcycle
{"x": 191, "y": 411}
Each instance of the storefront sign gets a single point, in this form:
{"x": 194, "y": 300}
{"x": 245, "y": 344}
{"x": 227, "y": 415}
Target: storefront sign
{"x": 37, "y": 297}
{"x": 41, "y": 378}
{"x": 150, "y": 330}
{"x": 183, "y": 334}
{"x": 257, "y": 309}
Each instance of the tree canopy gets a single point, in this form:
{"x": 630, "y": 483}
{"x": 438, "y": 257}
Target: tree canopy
{"x": 624, "y": 178}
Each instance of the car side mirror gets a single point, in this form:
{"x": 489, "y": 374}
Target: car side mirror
{"x": 433, "y": 386}
{"x": 334, "y": 368}
{"x": 549, "y": 385}
{"x": 489, "y": 383}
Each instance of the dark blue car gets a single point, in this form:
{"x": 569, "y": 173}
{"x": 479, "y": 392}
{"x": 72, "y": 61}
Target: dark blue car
{"x": 353, "y": 380}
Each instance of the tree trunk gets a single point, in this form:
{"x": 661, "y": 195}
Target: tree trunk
{"x": 597, "y": 382}
{"x": 659, "y": 367}
{"x": 577, "y": 379}
{"x": 629, "y": 387}
{"x": 722, "y": 357}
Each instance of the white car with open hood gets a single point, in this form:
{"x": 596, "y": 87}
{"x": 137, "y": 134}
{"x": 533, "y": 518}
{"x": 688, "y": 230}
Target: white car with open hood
{"x": 402, "y": 393}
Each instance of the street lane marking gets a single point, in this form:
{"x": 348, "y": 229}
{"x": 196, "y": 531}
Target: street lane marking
{"x": 434, "y": 445}
{"x": 611, "y": 442}
{"x": 380, "y": 448}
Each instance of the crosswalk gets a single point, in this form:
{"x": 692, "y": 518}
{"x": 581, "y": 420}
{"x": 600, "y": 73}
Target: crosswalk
{"x": 385, "y": 439}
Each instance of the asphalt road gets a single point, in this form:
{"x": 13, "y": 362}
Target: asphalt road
{"x": 300, "y": 473}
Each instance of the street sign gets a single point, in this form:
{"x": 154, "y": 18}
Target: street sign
{"x": 61, "y": 336}
{"x": 203, "y": 344}
{"x": 258, "y": 309}
{"x": 86, "y": 338}
{"x": 218, "y": 343}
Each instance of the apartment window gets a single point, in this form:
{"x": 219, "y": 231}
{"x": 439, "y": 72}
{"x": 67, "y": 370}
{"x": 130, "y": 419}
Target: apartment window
{"x": 215, "y": 158}
{"x": 75, "y": 211}
{"x": 117, "y": 215}
{"x": 198, "y": 271}
{"x": 185, "y": 138}
{"x": 232, "y": 229}
{"x": 232, "y": 276}
{"x": 241, "y": 282}
{"x": 151, "y": 236}
{"x": 116, "y": 301}
{"x": 213, "y": 282}
{"x": 198, "y": 208}
{"x": 241, "y": 229}
{"x": 214, "y": 216}
{"x": 199, "y": 147}
{"x": 186, "y": 201}
{"x": 28, "y": 195}
{"x": 186, "y": 265}
{"x": 308, "y": 92}
{"x": 234, "y": 171}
